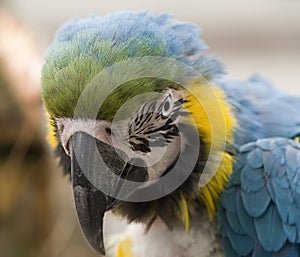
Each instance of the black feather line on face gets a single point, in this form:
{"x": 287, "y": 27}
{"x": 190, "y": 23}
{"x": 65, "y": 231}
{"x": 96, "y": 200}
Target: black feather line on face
{"x": 143, "y": 127}
{"x": 141, "y": 147}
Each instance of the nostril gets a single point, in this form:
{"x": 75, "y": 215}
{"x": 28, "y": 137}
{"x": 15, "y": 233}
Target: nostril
{"x": 108, "y": 130}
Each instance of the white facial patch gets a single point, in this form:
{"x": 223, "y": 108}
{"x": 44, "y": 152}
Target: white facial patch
{"x": 67, "y": 127}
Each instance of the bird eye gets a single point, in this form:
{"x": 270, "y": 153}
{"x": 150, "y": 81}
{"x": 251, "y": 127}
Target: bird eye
{"x": 167, "y": 107}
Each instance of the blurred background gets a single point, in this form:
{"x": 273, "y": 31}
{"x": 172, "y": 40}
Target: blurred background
{"x": 37, "y": 217}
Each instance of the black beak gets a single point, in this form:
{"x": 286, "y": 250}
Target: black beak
{"x": 94, "y": 166}
{"x": 90, "y": 202}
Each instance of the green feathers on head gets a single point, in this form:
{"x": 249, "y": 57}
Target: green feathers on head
{"x": 83, "y": 48}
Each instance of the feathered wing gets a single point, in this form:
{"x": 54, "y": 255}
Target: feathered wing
{"x": 261, "y": 110}
{"x": 259, "y": 213}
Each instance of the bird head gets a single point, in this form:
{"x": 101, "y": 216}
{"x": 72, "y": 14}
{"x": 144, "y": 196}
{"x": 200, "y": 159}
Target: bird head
{"x": 135, "y": 118}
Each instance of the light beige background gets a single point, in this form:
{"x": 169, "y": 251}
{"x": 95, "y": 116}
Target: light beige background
{"x": 248, "y": 36}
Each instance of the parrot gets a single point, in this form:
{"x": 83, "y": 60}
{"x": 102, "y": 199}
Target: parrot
{"x": 151, "y": 129}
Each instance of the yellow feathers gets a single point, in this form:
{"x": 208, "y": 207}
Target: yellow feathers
{"x": 51, "y": 138}
{"x": 124, "y": 248}
{"x": 211, "y": 192}
{"x": 211, "y": 113}
{"x": 184, "y": 212}
{"x": 215, "y": 124}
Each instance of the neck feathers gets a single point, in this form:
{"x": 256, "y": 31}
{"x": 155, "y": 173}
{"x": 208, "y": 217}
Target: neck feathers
{"x": 214, "y": 120}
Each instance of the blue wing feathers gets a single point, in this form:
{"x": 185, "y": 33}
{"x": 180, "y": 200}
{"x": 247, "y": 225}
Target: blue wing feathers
{"x": 259, "y": 251}
{"x": 290, "y": 231}
{"x": 269, "y": 230}
{"x": 266, "y": 211}
{"x": 228, "y": 250}
{"x": 257, "y": 202}
{"x": 246, "y": 148}
{"x": 270, "y": 188}
{"x": 234, "y": 222}
{"x": 255, "y": 158}
{"x": 269, "y": 162}
{"x": 266, "y": 174}
{"x": 253, "y": 180}
{"x": 243, "y": 244}
{"x": 289, "y": 250}
{"x": 246, "y": 221}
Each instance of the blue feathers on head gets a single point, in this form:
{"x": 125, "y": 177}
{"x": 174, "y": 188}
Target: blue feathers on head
{"x": 134, "y": 35}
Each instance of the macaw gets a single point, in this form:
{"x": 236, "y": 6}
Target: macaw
{"x": 149, "y": 127}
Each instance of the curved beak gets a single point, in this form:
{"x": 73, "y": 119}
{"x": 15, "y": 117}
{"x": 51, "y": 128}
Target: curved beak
{"x": 90, "y": 202}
